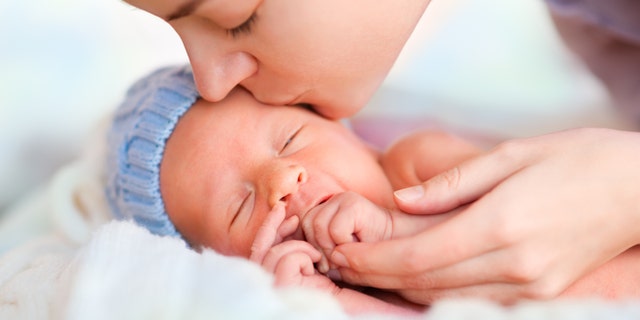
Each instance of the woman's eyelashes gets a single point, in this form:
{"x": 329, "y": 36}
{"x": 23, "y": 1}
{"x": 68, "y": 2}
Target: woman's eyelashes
{"x": 244, "y": 28}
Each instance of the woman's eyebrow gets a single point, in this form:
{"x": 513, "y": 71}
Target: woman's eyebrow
{"x": 185, "y": 9}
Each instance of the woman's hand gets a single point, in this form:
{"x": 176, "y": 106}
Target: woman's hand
{"x": 542, "y": 213}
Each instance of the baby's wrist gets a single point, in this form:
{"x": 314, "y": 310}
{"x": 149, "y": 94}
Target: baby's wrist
{"x": 406, "y": 225}
{"x": 402, "y": 224}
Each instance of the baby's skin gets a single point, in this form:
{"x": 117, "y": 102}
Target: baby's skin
{"x": 292, "y": 262}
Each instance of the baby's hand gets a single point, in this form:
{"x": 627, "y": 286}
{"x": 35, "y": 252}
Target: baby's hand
{"x": 291, "y": 262}
{"x": 345, "y": 217}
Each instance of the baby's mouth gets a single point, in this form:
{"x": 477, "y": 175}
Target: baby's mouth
{"x": 298, "y": 234}
{"x": 323, "y": 200}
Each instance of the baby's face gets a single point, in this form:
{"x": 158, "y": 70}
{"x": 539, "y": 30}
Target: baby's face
{"x": 228, "y": 163}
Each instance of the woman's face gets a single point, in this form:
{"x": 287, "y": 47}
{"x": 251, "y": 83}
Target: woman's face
{"x": 331, "y": 54}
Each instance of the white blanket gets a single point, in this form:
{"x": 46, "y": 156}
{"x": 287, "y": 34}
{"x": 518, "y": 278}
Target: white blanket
{"x": 69, "y": 261}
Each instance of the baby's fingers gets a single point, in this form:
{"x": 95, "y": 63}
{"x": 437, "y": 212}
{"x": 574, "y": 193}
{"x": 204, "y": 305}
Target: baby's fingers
{"x": 292, "y": 268}
{"x": 268, "y": 234}
{"x": 279, "y": 252}
{"x": 315, "y": 226}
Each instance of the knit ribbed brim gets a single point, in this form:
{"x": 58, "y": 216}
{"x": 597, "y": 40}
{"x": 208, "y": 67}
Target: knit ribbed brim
{"x": 136, "y": 142}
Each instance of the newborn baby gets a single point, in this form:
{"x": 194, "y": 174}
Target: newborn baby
{"x": 214, "y": 173}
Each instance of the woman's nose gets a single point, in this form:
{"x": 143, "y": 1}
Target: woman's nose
{"x": 285, "y": 182}
{"x": 216, "y": 77}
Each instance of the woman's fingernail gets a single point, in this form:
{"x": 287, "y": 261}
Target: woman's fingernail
{"x": 410, "y": 194}
{"x": 334, "y": 275}
{"x": 339, "y": 259}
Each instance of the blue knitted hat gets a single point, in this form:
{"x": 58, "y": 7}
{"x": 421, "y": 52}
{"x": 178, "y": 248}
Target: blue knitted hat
{"x": 136, "y": 142}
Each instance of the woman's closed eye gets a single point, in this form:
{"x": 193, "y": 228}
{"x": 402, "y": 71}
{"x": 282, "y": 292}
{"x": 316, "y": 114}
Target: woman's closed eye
{"x": 244, "y": 28}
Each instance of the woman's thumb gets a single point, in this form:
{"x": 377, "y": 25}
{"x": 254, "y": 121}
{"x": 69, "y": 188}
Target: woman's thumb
{"x": 412, "y": 200}
{"x": 436, "y": 195}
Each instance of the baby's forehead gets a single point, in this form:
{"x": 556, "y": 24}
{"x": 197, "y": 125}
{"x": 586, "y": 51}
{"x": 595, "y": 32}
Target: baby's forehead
{"x": 215, "y": 125}
{"x": 240, "y": 102}
{"x": 236, "y": 127}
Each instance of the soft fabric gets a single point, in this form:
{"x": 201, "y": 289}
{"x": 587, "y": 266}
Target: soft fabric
{"x": 141, "y": 127}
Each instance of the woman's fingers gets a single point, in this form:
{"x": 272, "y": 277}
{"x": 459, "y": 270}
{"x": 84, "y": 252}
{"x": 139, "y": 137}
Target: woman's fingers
{"x": 462, "y": 184}
{"x": 445, "y": 244}
{"x": 497, "y": 266}
{"x": 421, "y": 290}
{"x": 504, "y": 293}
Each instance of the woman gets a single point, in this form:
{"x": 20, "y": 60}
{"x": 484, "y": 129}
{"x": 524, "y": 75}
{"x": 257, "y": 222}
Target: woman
{"x": 544, "y": 211}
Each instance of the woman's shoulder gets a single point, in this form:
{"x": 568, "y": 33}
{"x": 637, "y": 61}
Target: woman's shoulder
{"x": 618, "y": 16}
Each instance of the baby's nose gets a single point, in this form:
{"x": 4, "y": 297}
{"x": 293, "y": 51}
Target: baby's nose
{"x": 285, "y": 182}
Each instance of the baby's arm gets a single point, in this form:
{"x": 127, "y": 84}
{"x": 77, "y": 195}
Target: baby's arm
{"x": 616, "y": 280}
{"x": 292, "y": 261}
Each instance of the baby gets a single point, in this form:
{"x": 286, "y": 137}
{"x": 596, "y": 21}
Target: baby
{"x": 213, "y": 173}
{"x": 280, "y": 185}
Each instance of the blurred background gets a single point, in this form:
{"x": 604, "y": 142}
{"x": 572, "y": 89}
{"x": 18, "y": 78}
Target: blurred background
{"x": 494, "y": 67}
{"x": 65, "y": 64}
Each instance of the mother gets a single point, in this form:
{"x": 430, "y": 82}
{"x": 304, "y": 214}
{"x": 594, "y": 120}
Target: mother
{"x": 544, "y": 211}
